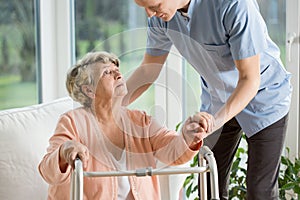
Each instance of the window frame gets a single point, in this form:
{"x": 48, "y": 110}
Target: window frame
{"x": 57, "y": 46}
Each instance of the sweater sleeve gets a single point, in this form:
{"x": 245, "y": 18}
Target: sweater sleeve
{"x": 169, "y": 146}
{"x": 49, "y": 166}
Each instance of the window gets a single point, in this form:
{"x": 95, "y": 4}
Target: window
{"x": 18, "y": 78}
{"x": 121, "y": 32}
{"x": 274, "y": 14}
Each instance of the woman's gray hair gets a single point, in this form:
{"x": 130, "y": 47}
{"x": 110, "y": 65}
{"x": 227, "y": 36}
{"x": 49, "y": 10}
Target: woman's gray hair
{"x": 81, "y": 74}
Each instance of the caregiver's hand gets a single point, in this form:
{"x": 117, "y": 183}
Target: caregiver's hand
{"x": 205, "y": 120}
{"x": 193, "y": 133}
{"x": 68, "y": 153}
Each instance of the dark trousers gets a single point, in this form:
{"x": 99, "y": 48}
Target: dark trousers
{"x": 264, "y": 155}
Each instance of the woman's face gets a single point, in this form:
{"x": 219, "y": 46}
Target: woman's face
{"x": 164, "y": 9}
{"x": 109, "y": 81}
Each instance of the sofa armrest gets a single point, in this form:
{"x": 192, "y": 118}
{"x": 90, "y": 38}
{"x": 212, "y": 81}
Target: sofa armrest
{"x": 24, "y": 135}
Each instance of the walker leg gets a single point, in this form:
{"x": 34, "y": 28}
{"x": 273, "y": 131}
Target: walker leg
{"x": 77, "y": 181}
{"x": 202, "y": 179}
{"x": 214, "y": 185}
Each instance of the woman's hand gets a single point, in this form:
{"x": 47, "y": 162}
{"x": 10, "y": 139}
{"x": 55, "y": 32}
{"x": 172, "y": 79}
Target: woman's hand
{"x": 196, "y": 128}
{"x": 69, "y": 151}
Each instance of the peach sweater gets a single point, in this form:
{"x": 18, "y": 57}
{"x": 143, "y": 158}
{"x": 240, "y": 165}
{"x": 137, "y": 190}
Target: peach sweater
{"x": 145, "y": 142}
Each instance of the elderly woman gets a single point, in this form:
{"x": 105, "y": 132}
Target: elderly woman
{"x": 107, "y": 136}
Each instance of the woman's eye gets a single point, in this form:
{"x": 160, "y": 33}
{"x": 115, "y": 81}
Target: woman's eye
{"x": 106, "y": 72}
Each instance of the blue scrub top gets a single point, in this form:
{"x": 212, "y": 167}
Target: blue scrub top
{"x": 210, "y": 38}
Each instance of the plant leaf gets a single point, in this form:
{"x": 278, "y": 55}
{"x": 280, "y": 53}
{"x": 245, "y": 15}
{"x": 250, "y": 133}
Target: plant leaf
{"x": 188, "y": 191}
{"x": 297, "y": 190}
{"x": 288, "y": 186}
{"x": 178, "y": 126}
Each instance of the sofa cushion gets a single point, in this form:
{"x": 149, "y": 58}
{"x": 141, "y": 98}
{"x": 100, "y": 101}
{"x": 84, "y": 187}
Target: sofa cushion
{"x": 24, "y": 135}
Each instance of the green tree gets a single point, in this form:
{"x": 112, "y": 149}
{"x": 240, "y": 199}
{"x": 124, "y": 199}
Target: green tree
{"x": 97, "y": 21}
{"x": 18, "y": 17}
{"x": 24, "y": 20}
{"x": 5, "y": 55}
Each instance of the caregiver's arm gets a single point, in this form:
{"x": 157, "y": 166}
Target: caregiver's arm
{"x": 246, "y": 89}
{"x": 144, "y": 76}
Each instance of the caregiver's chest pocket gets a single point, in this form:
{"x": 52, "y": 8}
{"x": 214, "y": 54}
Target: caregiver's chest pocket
{"x": 221, "y": 55}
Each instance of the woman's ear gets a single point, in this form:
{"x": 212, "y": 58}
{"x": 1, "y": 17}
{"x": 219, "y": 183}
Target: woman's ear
{"x": 88, "y": 91}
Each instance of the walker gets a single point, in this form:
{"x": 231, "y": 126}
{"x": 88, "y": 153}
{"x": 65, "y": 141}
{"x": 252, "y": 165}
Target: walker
{"x": 205, "y": 154}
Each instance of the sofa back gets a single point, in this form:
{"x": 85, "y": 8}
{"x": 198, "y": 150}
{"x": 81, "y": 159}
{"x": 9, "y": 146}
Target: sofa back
{"x": 24, "y": 135}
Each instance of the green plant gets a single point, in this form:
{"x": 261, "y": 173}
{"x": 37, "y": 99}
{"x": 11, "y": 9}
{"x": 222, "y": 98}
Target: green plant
{"x": 289, "y": 177}
{"x": 237, "y": 182}
{"x": 237, "y": 186}
{"x": 288, "y": 181}
{"x": 190, "y": 184}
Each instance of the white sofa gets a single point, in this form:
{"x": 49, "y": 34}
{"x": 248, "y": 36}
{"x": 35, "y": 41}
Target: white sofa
{"x": 24, "y": 135}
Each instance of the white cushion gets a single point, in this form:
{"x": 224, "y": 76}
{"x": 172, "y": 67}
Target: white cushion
{"x": 24, "y": 135}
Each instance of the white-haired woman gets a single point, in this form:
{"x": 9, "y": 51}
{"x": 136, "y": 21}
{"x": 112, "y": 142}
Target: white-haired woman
{"x": 107, "y": 136}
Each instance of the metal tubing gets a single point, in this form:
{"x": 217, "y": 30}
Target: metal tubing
{"x": 202, "y": 178}
{"x": 77, "y": 181}
{"x": 148, "y": 172}
{"x": 209, "y": 156}
{"x": 77, "y": 175}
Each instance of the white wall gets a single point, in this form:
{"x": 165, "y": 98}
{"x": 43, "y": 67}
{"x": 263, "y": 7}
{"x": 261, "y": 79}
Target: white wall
{"x": 293, "y": 65}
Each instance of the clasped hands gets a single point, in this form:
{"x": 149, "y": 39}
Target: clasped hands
{"x": 197, "y": 127}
